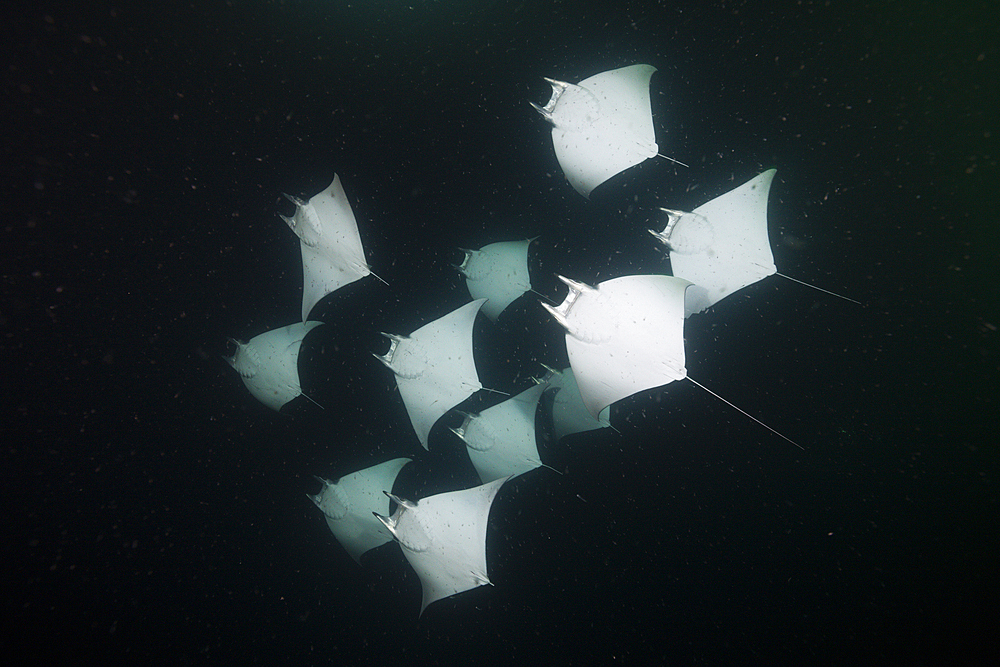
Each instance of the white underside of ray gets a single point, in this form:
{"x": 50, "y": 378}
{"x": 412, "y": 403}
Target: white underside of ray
{"x": 497, "y": 272}
{"x": 624, "y": 336}
{"x": 332, "y": 254}
{"x": 722, "y": 246}
{"x": 501, "y": 439}
{"x": 569, "y": 414}
{"x": 268, "y": 363}
{"x": 444, "y": 539}
{"x": 602, "y": 125}
{"x": 349, "y": 505}
{"x": 434, "y": 367}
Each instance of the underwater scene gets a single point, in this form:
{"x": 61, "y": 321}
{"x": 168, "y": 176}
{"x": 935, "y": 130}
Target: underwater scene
{"x": 439, "y": 333}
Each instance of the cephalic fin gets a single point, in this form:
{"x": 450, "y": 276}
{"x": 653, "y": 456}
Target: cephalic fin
{"x": 386, "y": 522}
{"x": 547, "y": 115}
{"x": 556, "y": 315}
{"x": 408, "y": 504}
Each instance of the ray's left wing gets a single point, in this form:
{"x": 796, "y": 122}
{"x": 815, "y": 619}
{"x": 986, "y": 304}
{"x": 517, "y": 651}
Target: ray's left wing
{"x": 501, "y": 439}
{"x": 497, "y": 272}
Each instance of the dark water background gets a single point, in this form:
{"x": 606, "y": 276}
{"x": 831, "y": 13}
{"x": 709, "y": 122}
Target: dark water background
{"x": 155, "y": 512}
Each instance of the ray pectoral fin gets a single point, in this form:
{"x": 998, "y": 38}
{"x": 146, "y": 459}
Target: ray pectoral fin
{"x": 722, "y": 245}
{"x": 501, "y": 441}
{"x": 625, "y": 336}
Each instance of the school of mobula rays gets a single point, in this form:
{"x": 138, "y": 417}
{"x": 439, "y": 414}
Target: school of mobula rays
{"x": 623, "y": 336}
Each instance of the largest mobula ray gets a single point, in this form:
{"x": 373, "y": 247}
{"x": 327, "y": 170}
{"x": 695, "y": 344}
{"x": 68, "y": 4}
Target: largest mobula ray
{"x": 627, "y": 335}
